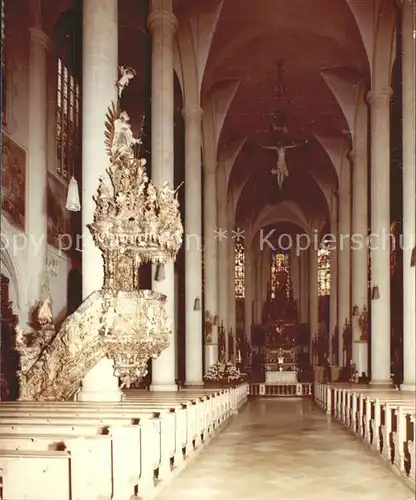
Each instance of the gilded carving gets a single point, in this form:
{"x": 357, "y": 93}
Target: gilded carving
{"x": 134, "y": 222}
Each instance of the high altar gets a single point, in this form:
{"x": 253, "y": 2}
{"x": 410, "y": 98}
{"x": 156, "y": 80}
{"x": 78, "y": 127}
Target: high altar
{"x": 280, "y": 355}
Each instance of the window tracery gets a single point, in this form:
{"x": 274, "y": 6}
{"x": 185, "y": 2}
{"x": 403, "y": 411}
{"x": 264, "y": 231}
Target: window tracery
{"x": 324, "y": 269}
{"x": 239, "y": 272}
{"x": 280, "y": 275}
{"x": 3, "y": 68}
{"x": 67, "y": 119}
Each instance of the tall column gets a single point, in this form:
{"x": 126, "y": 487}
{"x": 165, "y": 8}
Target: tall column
{"x": 249, "y": 284}
{"x": 359, "y": 252}
{"x": 211, "y": 264}
{"x": 344, "y": 257}
{"x": 266, "y": 256}
{"x": 304, "y": 289}
{"x": 231, "y": 279}
{"x": 259, "y": 282}
{"x": 295, "y": 273}
{"x": 222, "y": 252}
{"x": 409, "y": 192}
{"x": 100, "y": 71}
{"x": 36, "y": 185}
{"x": 193, "y": 241}
{"x": 380, "y": 230}
{"x": 162, "y": 25}
{"x": 333, "y": 298}
{"x": 313, "y": 297}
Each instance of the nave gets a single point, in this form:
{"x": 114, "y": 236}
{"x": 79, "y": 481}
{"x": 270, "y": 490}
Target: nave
{"x": 286, "y": 449}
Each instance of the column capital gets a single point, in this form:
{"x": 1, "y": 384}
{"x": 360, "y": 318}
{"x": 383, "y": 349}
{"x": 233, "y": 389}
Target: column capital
{"x": 344, "y": 192}
{"x": 351, "y": 155}
{"x": 40, "y": 37}
{"x": 162, "y": 18}
{"x": 192, "y": 113}
{"x": 375, "y": 95}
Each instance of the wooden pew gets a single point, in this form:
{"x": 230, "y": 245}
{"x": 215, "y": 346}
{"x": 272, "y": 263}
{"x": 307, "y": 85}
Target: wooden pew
{"x": 128, "y": 468}
{"x": 116, "y": 436}
{"x": 45, "y": 474}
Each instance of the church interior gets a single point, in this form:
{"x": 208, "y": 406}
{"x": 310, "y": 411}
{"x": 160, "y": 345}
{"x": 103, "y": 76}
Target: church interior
{"x": 208, "y": 250}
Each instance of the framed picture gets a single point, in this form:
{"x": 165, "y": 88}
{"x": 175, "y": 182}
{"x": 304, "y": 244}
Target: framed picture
{"x": 13, "y": 182}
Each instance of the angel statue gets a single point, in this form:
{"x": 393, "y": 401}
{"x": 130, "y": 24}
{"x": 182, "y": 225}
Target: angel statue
{"x": 44, "y": 315}
{"x": 126, "y": 75}
{"x": 123, "y": 141}
{"x": 281, "y": 170}
{"x": 363, "y": 323}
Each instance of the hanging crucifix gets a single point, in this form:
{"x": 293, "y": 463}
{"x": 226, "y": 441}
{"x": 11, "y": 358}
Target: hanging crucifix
{"x": 281, "y": 171}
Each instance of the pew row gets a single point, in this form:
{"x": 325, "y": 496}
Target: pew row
{"x": 94, "y": 451}
{"x": 384, "y": 419}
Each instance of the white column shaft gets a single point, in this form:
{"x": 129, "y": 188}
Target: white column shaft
{"x": 304, "y": 289}
{"x": 380, "y": 228}
{"x": 409, "y": 192}
{"x": 193, "y": 241}
{"x": 359, "y": 252}
{"x": 99, "y": 71}
{"x": 259, "y": 281}
{"x": 248, "y": 292}
{"x": 265, "y": 275}
{"x": 100, "y": 63}
{"x": 211, "y": 263}
{"x": 36, "y": 186}
{"x": 313, "y": 296}
{"x": 333, "y": 298}
{"x": 344, "y": 267}
{"x": 223, "y": 268}
{"x": 162, "y": 25}
{"x": 231, "y": 279}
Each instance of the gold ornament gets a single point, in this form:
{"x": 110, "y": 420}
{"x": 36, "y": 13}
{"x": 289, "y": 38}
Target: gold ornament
{"x": 135, "y": 222}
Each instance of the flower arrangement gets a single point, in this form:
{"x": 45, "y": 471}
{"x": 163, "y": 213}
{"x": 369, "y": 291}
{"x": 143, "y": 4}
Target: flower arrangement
{"x": 224, "y": 373}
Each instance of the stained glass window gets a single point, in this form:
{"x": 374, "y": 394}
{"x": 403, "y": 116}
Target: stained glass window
{"x": 3, "y": 68}
{"x": 324, "y": 269}
{"x": 280, "y": 275}
{"x": 239, "y": 270}
{"x": 67, "y": 119}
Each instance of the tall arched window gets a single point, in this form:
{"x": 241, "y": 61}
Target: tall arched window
{"x": 68, "y": 94}
{"x": 239, "y": 272}
{"x": 324, "y": 269}
{"x": 3, "y": 68}
{"x": 280, "y": 274}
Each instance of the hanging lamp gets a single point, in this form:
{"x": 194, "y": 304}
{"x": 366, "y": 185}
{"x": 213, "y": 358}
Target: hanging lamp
{"x": 73, "y": 203}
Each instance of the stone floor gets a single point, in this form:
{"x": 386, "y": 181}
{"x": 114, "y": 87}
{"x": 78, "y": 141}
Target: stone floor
{"x": 285, "y": 449}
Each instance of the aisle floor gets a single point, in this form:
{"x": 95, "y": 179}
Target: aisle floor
{"x": 286, "y": 449}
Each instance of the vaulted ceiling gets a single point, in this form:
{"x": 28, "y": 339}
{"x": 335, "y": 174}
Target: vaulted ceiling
{"x": 250, "y": 38}
{"x": 309, "y": 37}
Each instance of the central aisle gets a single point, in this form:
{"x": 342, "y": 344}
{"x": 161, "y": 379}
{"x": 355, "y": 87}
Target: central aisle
{"x": 286, "y": 450}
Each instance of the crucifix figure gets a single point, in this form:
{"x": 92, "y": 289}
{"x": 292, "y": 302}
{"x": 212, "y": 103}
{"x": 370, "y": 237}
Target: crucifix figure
{"x": 281, "y": 170}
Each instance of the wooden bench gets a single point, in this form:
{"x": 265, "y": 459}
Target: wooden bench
{"x": 45, "y": 474}
{"x": 110, "y": 450}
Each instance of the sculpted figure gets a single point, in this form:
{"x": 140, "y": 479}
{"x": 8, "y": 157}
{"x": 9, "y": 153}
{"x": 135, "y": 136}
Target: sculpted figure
{"x": 123, "y": 140}
{"x": 45, "y": 316}
{"x": 126, "y": 75}
{"x": 281, "y": 171}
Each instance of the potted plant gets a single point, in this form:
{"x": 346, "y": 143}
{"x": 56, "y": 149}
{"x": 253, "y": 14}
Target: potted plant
{"x": 222, "y": 375}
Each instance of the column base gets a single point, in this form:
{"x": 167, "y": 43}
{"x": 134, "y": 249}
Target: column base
{"x": 163, "y": 387}
{"x": 194, "y": 385}
{"x": 211, "y": 355}
{"x": 100, "y": 384}
{"x": 381, "y": 384}
{"x": 99, "y": 396}
{"x": 360, "y": 356}
{"x": 408, "y": 387}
